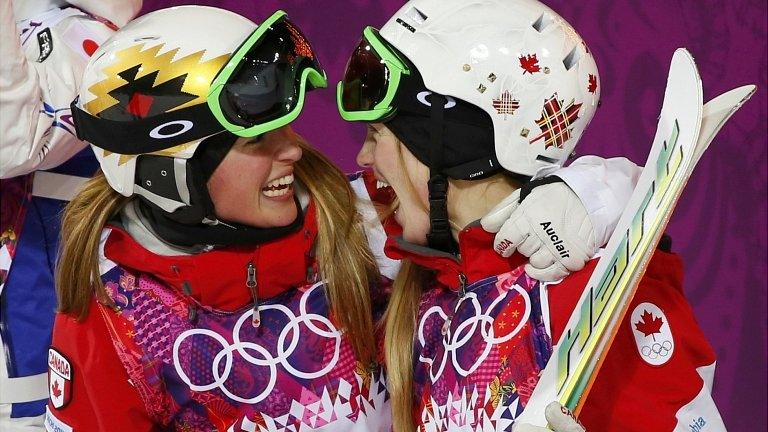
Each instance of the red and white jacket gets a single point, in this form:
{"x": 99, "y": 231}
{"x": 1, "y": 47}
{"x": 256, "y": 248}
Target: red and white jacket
{"x": 179, "y": 349}
{"x": 485, "y": 331}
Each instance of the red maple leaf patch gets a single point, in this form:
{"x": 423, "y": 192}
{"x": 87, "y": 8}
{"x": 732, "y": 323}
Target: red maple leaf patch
{"x": 529, "y": 63}
{"x": 649, "y": 325}
{"x": 592, "y": 87}
{"x": 55, "y": 390}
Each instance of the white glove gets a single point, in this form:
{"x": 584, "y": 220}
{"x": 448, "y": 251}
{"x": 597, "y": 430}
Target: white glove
{"x": 559, "y": 418}
{"x": 551, "y": 227}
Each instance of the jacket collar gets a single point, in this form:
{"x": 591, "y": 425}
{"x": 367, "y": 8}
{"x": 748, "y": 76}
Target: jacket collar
{"x": 476, "y": 260}
{"x": 217, "y": 278}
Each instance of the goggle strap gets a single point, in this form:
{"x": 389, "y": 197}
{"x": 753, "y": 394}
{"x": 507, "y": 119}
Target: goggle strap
{"x": 149, "y": 135}
{"x": 77, "y": 118}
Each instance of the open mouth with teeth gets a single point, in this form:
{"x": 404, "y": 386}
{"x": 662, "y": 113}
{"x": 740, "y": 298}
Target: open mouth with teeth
{"x": 278, "y": 187}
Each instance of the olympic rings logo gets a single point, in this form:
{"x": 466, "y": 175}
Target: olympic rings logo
{"x": 454, "y": 340}
{"x": 257, "y": 355}
{"x": 657, "y": 350}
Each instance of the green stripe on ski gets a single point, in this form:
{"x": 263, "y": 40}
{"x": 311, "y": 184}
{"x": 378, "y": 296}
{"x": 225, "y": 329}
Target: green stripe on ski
{"x": 604, "y": 301}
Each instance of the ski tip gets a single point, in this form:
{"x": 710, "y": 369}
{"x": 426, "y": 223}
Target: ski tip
{"x": 746, "y": 91}
{"x": 681, "y": 54}
{"x": 731, "y": 100}
{"x": 751, "y": 88}
{"x": 683, "y": 61}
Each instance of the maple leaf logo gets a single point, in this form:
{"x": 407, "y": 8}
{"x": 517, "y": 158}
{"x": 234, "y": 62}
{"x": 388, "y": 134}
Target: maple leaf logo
{"x": 506, "y": 104}
{"x": 55, "y": 390}
{"x": 592, "y": 87}
{"x": 556, "y": 122}
{"x": 649, "y": 324}
{"x": 529, "y": 63}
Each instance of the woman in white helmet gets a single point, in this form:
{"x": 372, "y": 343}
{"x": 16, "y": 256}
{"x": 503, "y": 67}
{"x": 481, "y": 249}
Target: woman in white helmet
{"x": 467, "y": 102}
{"x": 190, "y": 271}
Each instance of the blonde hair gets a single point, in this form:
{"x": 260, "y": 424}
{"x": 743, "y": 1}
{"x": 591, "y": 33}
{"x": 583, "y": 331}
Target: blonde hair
{"x": 77, "y": 267}
{"x": 345, "y": 261}
{"x": 399, "y": 328}
{"x": 402, "y": 314}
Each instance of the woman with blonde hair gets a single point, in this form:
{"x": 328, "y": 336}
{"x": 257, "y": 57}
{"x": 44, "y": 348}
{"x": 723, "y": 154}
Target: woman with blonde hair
{"x": 468, "y": 105}
{"x": 214, "y": 275}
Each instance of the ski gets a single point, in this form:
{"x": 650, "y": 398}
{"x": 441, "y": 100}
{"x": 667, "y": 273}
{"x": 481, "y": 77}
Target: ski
{"x": 684, "y": 132}
{"x": 716, "y": 113}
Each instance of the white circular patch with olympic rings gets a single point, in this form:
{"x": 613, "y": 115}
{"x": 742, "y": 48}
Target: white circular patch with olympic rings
{"x": 653, "y": 335}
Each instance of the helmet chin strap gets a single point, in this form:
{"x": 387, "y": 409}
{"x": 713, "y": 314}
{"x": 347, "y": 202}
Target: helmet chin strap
{"x": 218, "y": 234}
{"x": 439, "y": 236}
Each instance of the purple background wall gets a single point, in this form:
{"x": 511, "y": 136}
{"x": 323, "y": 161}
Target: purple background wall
{"x": 719, "y": 226}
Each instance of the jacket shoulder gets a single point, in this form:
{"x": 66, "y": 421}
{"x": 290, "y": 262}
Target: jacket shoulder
{"x": 95, "y": 369}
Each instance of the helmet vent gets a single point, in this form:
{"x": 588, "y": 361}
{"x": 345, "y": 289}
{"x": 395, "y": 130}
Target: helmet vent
{"x": 542, "y": 22}
{"x": 572, "y": 58}
{"x": 546, "y": 159}
{"x": 416, "y": 15}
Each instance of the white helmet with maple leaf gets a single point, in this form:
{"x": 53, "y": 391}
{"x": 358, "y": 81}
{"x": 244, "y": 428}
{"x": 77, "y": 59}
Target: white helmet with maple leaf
{"x": 517, "y": 60}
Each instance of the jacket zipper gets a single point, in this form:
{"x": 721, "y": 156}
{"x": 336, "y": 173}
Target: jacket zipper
{"x": 461, "y": 293}
{"x": 187, "y": 289}
{"x": 250, "y": 282}
{"x": 462, "y": 285}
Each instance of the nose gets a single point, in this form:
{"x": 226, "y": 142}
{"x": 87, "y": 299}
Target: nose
{"x": 288, "y": 150}
{"x": 365, "y": 155}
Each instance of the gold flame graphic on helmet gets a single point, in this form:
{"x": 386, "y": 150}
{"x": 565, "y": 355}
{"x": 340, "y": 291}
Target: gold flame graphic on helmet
{"x": 198, "y": 80}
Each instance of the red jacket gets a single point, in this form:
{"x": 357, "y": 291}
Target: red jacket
{"x": 478, "y": 356}
{"x": 179, "y": 351}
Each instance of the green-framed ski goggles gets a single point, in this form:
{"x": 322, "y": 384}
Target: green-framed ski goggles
{"x": 263, "y": 85}
{"x": 371, "y": 80}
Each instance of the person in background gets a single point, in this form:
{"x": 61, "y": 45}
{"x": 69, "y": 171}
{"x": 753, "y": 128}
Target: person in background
{"x": 44, "y": 46}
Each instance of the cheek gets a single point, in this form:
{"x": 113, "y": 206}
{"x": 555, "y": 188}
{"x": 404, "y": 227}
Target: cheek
{"x": 418, "y": 175}
{"x": 250, "y": 173}
{"x": 218, "y": 185}
{"x": 237, "y": 181}
{"x": 384, "y": 158}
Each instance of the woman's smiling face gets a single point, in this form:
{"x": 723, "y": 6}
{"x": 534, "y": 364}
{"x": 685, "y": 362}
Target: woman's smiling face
{"x": 253, "y": 184}
{"x": 394, "y": 165}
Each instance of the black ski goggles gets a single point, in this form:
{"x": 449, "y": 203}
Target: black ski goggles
{"x": 371, "y": 80}
{"x": 262, "y": 87}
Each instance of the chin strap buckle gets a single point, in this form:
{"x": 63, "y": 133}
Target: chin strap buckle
{"x": 439, "y": 236}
